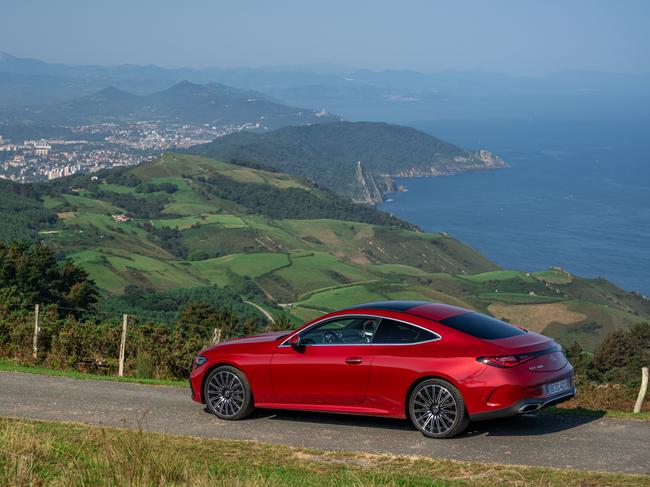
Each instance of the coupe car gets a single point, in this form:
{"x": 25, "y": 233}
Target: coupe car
{"x": 438, "y": 365}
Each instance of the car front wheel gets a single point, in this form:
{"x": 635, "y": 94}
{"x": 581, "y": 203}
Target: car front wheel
{"x": 228, "y": 394}
{"x": 437, "y": 409}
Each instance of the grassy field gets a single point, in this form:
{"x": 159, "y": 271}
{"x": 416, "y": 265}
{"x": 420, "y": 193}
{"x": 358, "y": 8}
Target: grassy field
{"x": 183, "y": 223}
{"x": 341, "y": 297}
{"x": 518, "y": 298}
{"x": 499, "y": 276}
{"x": 38, "y": 453}
{"x": 223, "y": 270}
{"x": 112, "y": 271}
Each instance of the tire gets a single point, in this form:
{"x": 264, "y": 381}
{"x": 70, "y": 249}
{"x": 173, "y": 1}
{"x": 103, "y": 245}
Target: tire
{"x": 228, "y": 394}
{"x": 437, "y": 409}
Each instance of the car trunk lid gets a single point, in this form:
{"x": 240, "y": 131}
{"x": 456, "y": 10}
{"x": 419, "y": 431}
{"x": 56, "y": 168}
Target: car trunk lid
{"x": 547, "y": 355}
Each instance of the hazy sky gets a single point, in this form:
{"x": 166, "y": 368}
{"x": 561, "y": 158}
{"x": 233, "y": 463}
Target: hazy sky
{"x": 516, "y": 36}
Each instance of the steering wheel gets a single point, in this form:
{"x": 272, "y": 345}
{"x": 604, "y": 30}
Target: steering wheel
{"x": 331, "y": 337}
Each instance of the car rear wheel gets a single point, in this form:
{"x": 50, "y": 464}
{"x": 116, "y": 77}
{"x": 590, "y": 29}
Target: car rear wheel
{"x": 437, "y": 409}
{"x": 228, "y": 394}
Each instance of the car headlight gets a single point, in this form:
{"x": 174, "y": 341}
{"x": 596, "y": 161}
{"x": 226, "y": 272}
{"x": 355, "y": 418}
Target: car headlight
{"x": 198, "y": 361}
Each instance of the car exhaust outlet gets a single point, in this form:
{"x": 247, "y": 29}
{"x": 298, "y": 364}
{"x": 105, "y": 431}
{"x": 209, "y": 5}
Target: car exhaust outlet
{"x": 529, "y": 408}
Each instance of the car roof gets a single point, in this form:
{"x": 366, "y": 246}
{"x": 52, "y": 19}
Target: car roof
{"x": 423, "y": 309}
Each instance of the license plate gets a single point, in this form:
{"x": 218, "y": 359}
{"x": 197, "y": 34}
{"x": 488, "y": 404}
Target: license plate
{"x": 555, "y": 387}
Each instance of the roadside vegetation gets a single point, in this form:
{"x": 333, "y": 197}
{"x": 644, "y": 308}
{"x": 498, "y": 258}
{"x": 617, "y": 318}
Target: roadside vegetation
{"x": 153, "y": 350}
{"x": 609, "y": 378}
{"x": 39, "y": 453}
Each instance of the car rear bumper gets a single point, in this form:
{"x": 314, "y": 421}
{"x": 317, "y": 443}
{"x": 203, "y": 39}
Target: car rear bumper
{"x": 525, "y": 406}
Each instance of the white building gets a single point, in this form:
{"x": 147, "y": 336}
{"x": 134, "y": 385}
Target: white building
{"x": 42, "y": 150}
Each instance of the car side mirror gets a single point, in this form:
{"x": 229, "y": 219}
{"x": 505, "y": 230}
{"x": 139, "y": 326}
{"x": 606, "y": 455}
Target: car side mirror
{"x": 295, "y": 343}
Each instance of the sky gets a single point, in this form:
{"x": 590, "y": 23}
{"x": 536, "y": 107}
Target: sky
{"x": 514, "y": 36}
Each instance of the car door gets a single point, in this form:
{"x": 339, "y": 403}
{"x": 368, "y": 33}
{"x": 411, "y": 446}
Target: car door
{"x": 401, "y": 352}
{"x": 331, "y": 367}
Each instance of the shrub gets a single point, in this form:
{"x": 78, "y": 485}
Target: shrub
{"x": 622, "y": 353}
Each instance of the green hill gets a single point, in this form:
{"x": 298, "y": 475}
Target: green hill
{"x": 352, "y": 158}
{"x": 283, "y": 243}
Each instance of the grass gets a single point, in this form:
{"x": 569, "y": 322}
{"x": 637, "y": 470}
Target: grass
{"x": 341, "y": 297}
{"x": 183, "y": 223}
{"x": 317, "y": 270}
{"x": 498, "y": 276}
{"x": 10, "y": 366}
{"x": 581, "y": 411}
{"x": 553, "y": 276}
{"x": 117, "y": 188}
{"x": 36, "y": 453}
{"x": 219, "y": 270}
{"x": 518, "y": 298}
{"x": 112, "y": 272}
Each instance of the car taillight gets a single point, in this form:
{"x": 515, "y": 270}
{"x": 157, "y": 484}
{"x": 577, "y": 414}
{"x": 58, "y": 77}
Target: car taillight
{"x": 506, "y": 361}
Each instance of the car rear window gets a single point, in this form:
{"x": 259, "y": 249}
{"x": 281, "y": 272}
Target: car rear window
{"x": 396, "y": 332}
{"x": 481, "y": 326}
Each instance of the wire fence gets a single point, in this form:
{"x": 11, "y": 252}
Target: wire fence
{"x": 99, "y": 342}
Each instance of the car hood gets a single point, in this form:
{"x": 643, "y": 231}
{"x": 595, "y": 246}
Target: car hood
{"x": 262, "y": 338}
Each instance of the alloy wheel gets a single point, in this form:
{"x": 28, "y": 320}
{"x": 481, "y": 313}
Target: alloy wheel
{"x": 435, "y": 409}
{"x": 226, "y": 393}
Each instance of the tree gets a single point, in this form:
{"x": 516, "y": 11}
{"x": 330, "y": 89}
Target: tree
{"x": 201, "y": 319}
{"x": 198, "y": 318}
{"x": 29, "y": 274}
{"x": 582, "y": 363}
{"x": 623, "y": 352}
{"x": 282, "y": 323}
{"x": 79, "y": 292}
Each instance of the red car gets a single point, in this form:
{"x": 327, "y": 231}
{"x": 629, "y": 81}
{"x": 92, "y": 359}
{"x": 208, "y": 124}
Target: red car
{"x": 439, "y": 365}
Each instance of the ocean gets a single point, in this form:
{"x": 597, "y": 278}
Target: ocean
{"x": 577, "y": 196}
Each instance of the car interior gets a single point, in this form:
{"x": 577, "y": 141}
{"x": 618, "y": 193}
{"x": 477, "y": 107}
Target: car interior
{"x": 364, "y": 330}
{"x": 348, "y": 331}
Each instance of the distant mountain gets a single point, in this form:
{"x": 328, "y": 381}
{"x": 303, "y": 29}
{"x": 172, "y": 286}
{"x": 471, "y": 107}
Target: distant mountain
{"x": 16, "y": 65}
{"x": 184, "y": 102}
{"x": 107, "y": 103}
{"x": 357, "y": 159}
{"x": 33, "y": 82}
{"x": 398, "y": 96}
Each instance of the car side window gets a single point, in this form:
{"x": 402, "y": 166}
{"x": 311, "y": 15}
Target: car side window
{"x": 396, "y": 332}
{"x": 347, "y": 331}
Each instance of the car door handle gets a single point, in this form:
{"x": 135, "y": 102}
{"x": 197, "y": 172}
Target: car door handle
{"x": 353, "y": 360}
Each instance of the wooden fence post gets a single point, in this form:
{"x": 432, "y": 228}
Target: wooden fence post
{"x": 37, "y": 330}
{"x": 125, "y": 321}
{"x": 642, "y": 391}
{"x": 216, "y": 336}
